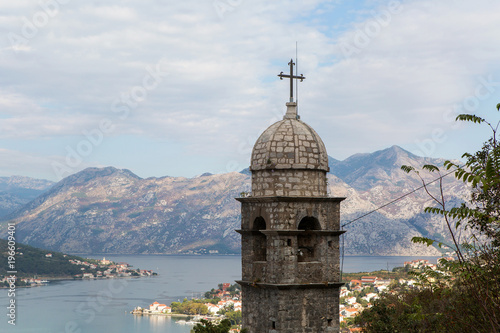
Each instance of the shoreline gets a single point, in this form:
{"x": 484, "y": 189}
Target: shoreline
{"x": 69, "y": 278}
{"x": 234, "y": 255}
{"x": 179, "y": 315}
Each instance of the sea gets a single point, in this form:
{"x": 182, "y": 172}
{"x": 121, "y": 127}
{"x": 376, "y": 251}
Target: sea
{"x": 104, "y": 305}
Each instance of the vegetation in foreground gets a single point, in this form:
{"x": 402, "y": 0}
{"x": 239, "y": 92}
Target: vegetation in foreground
{"x": 396, "y": 274}
{"x": 230, "y": 318}
{"x": 209, "y": 327}
{"x": 192, "y": 307}
{"x": 206, "y": 326}
{"x": 464, "y": 296}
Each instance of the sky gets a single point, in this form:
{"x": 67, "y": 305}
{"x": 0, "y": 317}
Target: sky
{"x": 180, "y": 88}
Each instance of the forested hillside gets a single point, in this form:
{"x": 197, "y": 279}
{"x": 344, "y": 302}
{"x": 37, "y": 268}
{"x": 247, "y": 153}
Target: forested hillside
{"x": 31, "y": 261}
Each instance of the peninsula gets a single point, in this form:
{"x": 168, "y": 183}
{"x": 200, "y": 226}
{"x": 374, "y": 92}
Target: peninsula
{"x": 36, "y": 267}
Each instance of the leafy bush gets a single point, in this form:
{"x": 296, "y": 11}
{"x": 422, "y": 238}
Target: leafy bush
{"x": 463, "y": 295}
{"x": 208, "y": 327}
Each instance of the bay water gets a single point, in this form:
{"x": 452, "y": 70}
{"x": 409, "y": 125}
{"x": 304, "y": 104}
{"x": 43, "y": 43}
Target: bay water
{"x": 80, "y": 306}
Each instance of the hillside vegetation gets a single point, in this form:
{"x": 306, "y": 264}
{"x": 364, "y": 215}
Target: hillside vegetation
{"x": 462, "y": 295}
{"x": 31, "y": 261}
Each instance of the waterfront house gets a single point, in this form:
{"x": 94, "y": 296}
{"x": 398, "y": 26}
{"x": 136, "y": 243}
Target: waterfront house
{"x": 368, "y": 279}
{"x": 154, "y": 307}
{"x": 355, "y": 283}
{"x": 350, "y": 312}
{"x": 105, "y": 262}
{"x": 351, "y": 300}
{"x": 162, "y": 308}
{"x": 212, "y": 308}
{"x": 370, "y": 296}
{"x": 344, "y": 292}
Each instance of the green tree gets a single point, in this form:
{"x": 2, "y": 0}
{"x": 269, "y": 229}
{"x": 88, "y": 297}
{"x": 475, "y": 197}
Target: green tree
{"x": 211, "y": 293}
{"x": 208, "y": 327}
{"x": 409, "y": 311}
{"x": 191, "y": 307}
{"x": 465, "y": 294}
{"x": 234, "y": 317}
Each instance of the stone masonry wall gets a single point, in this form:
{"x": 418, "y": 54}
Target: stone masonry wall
{"x": 294, "y": 310}
{"x": 295, "y": 183}
{"x": 285, "y": 244}
{"x": 286, "y": 213}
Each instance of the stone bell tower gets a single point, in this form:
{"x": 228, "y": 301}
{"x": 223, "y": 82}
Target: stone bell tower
{"x": 290, "y": 232}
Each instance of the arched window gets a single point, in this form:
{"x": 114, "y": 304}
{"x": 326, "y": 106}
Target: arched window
{"x": 306, "y": 241}
{"x": 259, "y": 223}
{"x": 259, "y": 240}
{"x": 309, "y": 223}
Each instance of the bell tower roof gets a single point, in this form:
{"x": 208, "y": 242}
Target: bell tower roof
{"x": 289, "y": 144}
{"x": 290, "y": 232}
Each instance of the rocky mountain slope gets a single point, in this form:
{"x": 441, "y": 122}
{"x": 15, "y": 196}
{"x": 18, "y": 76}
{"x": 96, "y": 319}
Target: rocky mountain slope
{"x": 17, "y": 191}
{"x": 107, "y": 210}
{"x": 370, "y": 181}
{"x": 114, "y": 211}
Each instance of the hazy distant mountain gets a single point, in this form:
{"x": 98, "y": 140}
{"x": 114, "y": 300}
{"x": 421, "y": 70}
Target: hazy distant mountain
{"x": 370, "y": 181}
{"x": 16, "y": 191}
{"x": 114, "y": 211}
{"x": 107, "y": 210}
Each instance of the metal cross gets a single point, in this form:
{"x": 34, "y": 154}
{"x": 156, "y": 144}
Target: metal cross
{"x": 291, "y": 76}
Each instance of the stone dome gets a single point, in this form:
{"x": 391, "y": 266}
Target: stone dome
{"x": 289, "y": 144}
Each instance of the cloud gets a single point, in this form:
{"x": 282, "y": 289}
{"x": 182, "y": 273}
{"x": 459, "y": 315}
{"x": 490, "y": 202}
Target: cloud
{"x": 13, "y": 162}
{"x": 404, "y": 79}
{"x": 117, "y": 13}
{"x": 219, "y": 88}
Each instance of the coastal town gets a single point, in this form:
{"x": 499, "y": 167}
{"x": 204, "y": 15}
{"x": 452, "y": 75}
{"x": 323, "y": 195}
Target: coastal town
{"x": 359, "y": 294}
{"x": 218, "y": 304}
{"x": 356, "y": 295}
{"x": 108, "y": 269}
{"x": 88, "y": 269}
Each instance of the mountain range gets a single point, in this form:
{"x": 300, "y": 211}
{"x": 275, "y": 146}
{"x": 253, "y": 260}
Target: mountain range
{"x": 16, "y": 191}
{"x": 109, "y": 210}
